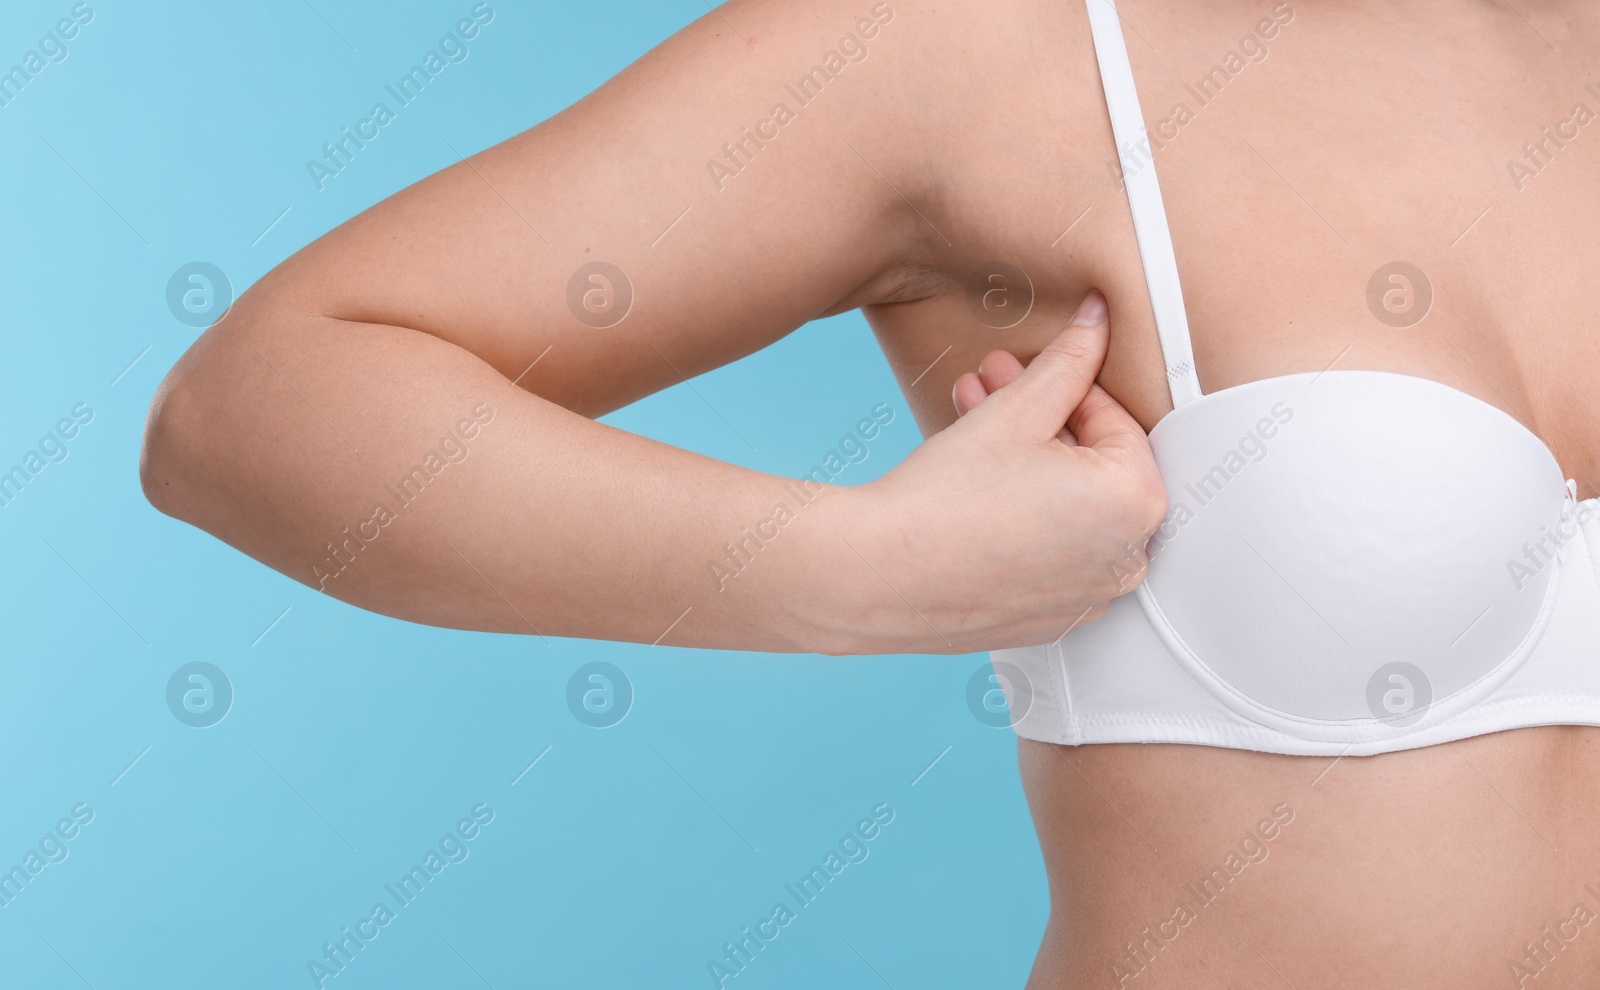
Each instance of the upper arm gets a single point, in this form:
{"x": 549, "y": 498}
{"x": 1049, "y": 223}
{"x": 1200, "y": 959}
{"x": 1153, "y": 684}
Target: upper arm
{"x": 486, "y": 254}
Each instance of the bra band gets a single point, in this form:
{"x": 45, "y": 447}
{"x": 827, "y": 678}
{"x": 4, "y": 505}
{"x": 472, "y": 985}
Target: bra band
{"x": 1144, "y": 200}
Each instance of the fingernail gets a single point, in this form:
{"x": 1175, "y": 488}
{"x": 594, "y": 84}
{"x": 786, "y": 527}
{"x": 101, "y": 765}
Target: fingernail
{"x": 1091, "y": 312}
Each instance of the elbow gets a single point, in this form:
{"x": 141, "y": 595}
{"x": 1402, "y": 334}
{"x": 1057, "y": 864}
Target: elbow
{"x": 198, "y": 411}
{"x": 167, "y": 457}
{"x": 180, "y": 459}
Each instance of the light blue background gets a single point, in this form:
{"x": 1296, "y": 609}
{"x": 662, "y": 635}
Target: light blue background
{"x": 227, "y": 856}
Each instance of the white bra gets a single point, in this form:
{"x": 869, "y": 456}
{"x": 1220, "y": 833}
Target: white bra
{"x": 1353, "y": 562}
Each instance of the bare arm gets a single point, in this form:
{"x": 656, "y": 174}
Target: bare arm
{"x": 391, "y": 344}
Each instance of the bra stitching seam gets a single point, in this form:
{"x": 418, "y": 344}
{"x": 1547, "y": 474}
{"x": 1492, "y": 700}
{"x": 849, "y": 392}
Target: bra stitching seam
{"x": 1471, "y": 720}
{"x": 1063, "y": 687}
{"x": 1590, "y": 550}
{"x": 1134, "y": 718}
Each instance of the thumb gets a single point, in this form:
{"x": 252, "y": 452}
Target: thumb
{"x": 1056, "y": 381}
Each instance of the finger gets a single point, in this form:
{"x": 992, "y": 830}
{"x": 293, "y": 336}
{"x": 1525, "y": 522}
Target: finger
{"x": 967, "y": 392}
{"x": 1101, "y": 422}
{"x": 998, "y": 369}
{"x": 1053, "y": 385}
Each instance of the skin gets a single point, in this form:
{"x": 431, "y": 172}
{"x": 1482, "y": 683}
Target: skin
{"x": 971, "y": 134}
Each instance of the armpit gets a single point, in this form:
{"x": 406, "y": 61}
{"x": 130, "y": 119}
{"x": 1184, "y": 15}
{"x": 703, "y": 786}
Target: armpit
{"x": 905, "y": 282}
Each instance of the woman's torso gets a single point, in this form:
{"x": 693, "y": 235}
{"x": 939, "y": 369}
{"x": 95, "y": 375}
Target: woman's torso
{"x": 1340, "y": 140}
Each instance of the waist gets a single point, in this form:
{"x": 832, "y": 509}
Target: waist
{"x": 1199, "y": 867}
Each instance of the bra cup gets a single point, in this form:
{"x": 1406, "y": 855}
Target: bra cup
{"x": 1351, "y": 547}
{"x": 1356, "y": 561}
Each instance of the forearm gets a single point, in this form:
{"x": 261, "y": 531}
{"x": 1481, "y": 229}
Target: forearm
{"x": 400, "y": 473}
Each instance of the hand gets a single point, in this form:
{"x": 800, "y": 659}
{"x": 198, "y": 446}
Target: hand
{"x": 1025, "y": 517}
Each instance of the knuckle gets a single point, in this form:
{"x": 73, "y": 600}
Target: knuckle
{"x": 1144, "y": 496}
{"x": 1137, "y": 496}
{"x": 1152, "y": 504}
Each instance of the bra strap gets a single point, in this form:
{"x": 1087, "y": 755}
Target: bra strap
{"x": 1144, "y": 200}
